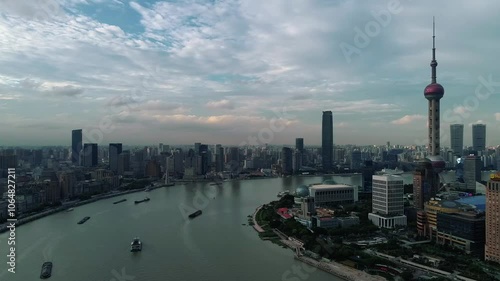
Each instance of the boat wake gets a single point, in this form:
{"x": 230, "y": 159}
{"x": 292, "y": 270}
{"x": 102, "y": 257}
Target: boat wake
{"x": 100, "y": 213}
{"x": 48, "y": 250}
{"x": 203, "y": 260}
{"x": 189, "y": 241}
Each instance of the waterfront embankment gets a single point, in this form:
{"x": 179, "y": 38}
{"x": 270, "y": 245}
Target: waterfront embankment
{"x": 30, "y": 218}
{"x": 339, "y": 270}
{"x": 256, "y": 226}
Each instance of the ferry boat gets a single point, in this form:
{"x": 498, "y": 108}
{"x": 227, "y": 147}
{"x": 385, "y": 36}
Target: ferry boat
{"x": 195, "y": 214}
{"x": 69, "y": 210}
{"x": 147, "y": 189}
{"x": 84, "y": 220}
{"x": 143, "y": 200}
{"x": 136, "y": 245}
{"x": 46, "y": 270}
{"x": 283, "y": 193}
{"x": 120, "y": 201}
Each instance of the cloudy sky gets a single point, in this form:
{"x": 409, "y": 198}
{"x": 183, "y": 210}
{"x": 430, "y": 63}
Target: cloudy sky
{"x": 221, "y": 71}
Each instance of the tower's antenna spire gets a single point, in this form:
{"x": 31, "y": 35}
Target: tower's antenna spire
{"x": 433, "y": 39}
{"x": 433, "y": 62}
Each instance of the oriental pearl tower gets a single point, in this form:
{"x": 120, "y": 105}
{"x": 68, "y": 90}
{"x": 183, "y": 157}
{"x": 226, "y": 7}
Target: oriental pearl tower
{"x": 434, "y": 92}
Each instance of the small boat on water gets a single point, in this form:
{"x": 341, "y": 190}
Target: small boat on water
{"x": 120, "y": 201}
{"x": 283, "y": 193}
{"x": 69, "y": 210}
{"x": 195, "y": 214}
{"x": 46, "y": 270}
{"x": 84, "y": 220}
{"x": 136, "y": 245}
{"x": 143, "y": 200}
{"x": 147, "y": 189}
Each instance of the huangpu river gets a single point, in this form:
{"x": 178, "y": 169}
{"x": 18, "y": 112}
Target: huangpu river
{"x": 215, "y": 246}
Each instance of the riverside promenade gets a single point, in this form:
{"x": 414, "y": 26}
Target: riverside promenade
{"x": 256, "y": 226}
{"x": 340, "y": 270}
{"x": 337, "y": 269}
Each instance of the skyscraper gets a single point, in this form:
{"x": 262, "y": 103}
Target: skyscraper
{"x": 204, "y": 158}
{"x": 114, "y": 150}
{"x": 367, "y": 174}
{"x": 297, "y": 161}
{"x": 327, "y": 141}
{"x": 356, "y": 159}
{"x": 286, "y": 161}
{"x": 387, "y": 201}
{"x": 219, "y": 158}
{"x": 457, "y": 139}
{"x": 76, "y": 146}
{"x": 424, "y": 183}
{"x": 90, "y": 155}
{"x": 479, "y": 137}
{"x": 124, "y": 162}
{"x": 492, "y": 247}
{"x": 299, "y": 144}
{"x": 472, "y": 171}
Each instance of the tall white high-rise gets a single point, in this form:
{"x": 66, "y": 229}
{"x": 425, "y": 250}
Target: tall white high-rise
{"x": 387, "y": 201}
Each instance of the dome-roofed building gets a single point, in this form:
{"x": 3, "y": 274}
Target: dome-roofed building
{"x": 302, "y": 191}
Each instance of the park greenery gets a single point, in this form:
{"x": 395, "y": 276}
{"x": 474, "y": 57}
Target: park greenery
{"x": 331, "y": 243}
{"x": 327, "y": 243}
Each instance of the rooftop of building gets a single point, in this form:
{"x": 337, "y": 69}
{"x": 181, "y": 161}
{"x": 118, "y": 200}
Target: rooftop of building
{"x": 448, "y": 204}
{"x": 387, "y": 176}
{"x": 283, "y": 212}
{"x": 322, "y": 212}
{"x": 495, "y": 177}
{"x": 478, "y": 201}
{"x": 330, "y": 186}
{"x": 468, "y": 215}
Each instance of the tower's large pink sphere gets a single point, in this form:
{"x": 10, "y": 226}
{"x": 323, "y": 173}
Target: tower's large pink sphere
{"x": 434, "y": 91}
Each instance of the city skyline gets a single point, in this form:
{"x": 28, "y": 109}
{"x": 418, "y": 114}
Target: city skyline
{"x": 222, "y": 77}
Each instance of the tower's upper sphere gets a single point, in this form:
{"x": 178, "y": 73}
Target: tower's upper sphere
{"x": 434, "y": 91}
{"x": 438, "y": 163}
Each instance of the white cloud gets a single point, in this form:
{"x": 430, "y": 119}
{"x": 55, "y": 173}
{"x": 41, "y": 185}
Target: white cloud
{"x": 254, "y": 55}
{"x": 407, "y": 119}
{"x": 476, "y": 122}
{"x": 9, "y": 97}
{"x": 342, "y": 125}
{"x": 222, "y": 104}
{"x": 460, "y": 110}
